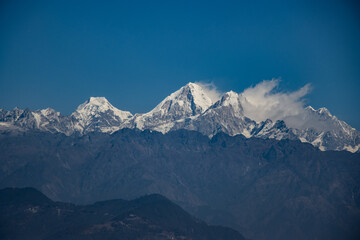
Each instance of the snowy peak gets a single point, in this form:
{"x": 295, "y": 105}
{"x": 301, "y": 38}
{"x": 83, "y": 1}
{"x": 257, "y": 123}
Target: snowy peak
{"x": 197, "y": 107}
{"x": 198, "y": 95}
{"x": 320, "y": 119}
{"x": 97, "y": 106}
{"x": 187, "y": 102}
{"x": 323, "y": 130}
{"x": 98, "y": 100}
{"x": 226, "y": 115}
{"x": 43, "y": 120}
{"x": 321, "y": 111}
{"x": 49, "y": 112}
{"x": 324, "y": 111}
{"x": 230, "y": 100}
{"x": 191, "y": 98}
{"x": 97, "y": 114}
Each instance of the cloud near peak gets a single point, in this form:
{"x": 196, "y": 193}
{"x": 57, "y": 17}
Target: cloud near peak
{"x": 211, "y": 90}
{"x": 262, "y": 102}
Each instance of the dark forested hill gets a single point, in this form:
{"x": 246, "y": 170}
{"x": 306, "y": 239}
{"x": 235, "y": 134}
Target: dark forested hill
{"x": 27, "y": 214}
{"x": 265, "y": 189}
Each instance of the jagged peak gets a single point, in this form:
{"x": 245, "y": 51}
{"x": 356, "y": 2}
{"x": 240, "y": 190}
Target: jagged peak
{"x": 310, "y": 108}
{"x": 191, "y": 85}
{"x": 98, "y": 100}
{"x": 231, "y": 96}
{"x": 321, "y": 111}
{"x": 99, "y": 103}
{"x": 191, "y": 92}
{"x": 96, "y": 105}
{"x": 49, "y": 111}
{"x": 229, "y": 99}
{"x": 324, "y": 110}
{"x": 193, "y": 88}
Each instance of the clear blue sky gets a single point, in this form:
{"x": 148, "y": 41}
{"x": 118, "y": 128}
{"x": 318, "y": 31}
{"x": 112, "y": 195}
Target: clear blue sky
{"x": 58, "y": 53}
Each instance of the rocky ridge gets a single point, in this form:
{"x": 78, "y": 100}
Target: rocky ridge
{"x": 189, "y": 108}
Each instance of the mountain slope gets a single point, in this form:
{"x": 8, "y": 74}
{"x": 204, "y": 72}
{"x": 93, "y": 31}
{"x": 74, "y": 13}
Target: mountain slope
{"x": 27, "y": 213}
{"x": 97, "y": 114}
{"x": 226, "y": 115}
{"x": 325, "y": 131}
{"x": 264, "y": 188}
{"x": 317, "y": 127}
{"x": 187, "y": 102}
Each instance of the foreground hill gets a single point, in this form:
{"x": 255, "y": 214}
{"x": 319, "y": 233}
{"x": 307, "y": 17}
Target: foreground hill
{"x": 28, "y": 214}
{"x": 264, "y": 188}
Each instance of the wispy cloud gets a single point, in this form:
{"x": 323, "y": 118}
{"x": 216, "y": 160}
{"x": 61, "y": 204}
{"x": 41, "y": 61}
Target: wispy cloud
{"x": 212, "y": 91}
{"x": 263, "y": 102}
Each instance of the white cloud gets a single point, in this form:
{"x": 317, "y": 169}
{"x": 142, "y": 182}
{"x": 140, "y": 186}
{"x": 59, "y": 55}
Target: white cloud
{"x": 263, "y": 102}
{"x": 211, "y": 90}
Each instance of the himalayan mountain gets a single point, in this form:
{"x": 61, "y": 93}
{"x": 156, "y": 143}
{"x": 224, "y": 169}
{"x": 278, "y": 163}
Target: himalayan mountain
{"x": 192, "y": 108}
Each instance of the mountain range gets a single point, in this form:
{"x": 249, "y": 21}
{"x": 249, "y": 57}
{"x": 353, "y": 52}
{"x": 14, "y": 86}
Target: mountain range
{"x": 263, "y": 188}
{"x": 273, "y": 172}
{"x": 191, "y": 107}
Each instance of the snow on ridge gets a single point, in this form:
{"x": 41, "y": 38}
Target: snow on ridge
{"x": 94, "y": 107}
{"x": 211, "y": 90}
{"x": 325, "y": 111}
{"x": 352, "y": 149}
{"x": 231, "y": 98}
{"x": 37, "y": 118}
{"x": 200, "y": 96}
{"x": 49, "y": 111}
{"x": 180, "y": 102}
{"x": 191, "y": 107}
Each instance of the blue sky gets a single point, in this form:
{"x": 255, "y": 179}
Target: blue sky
{"x": 58, "y": 53}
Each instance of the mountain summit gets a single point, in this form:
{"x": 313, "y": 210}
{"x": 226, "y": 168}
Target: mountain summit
{"x": 97, "y": 114}
{"x": 193, "y": 107}
{"x": 187, "y": 102}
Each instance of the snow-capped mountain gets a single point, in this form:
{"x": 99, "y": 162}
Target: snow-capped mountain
{"x": 189, "y": 101}
{"x": 192, "y": 108}
{"x": 45, "y": 120}
{"x": 225, "y": 115}
{"x": 325, "y": 131}
{"x": 97, "y": 114}
{"x": 318, "y": 127}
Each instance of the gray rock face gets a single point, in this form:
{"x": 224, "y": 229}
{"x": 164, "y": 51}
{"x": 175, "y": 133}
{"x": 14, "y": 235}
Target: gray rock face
{"x": 191, "y": 108}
